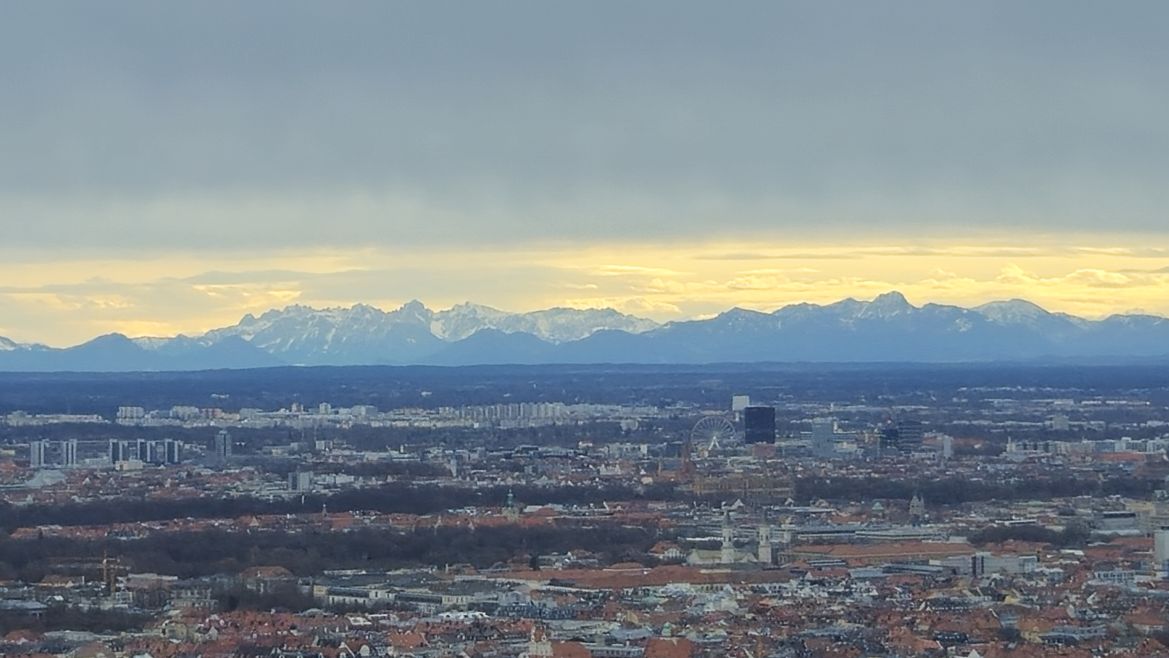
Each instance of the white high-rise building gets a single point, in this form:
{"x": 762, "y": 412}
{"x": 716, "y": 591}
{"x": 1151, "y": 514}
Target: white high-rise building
{"x": 37, "y": 451}
{"x": 823, "y": 437}
{"x": 69, "y": 453}
{"x": 129, "y": 415}
{"x": 947, "y": 446}
{"x": 301, "y": 481}
{"x": 1161, "y": 549}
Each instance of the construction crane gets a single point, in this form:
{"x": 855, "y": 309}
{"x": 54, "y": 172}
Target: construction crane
{"x": 109, "y": 568}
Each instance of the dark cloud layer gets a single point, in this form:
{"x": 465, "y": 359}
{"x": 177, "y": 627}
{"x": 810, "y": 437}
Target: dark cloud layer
{"x": 299, "y": 124}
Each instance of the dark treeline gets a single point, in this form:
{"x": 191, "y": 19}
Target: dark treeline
{"x": 287, "y": 596}
{"x": 952, "y": 491}
{"x": 395, "y": 497}
{"x": 385, "y": 387}
{"x": 306, "y": 553}
{"x": 379, "y": 469}
{"x": 60, "y": 617}
{"x": 428, "y": 499}
{"x": 388, "y": 387}
{"x": 1073, "y": 535}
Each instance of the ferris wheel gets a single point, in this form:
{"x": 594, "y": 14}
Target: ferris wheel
{"x": 711, "y": 432}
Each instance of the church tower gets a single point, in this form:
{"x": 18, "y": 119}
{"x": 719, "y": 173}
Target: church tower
{"x": 512, "y": 511}
{"x": 766, "y": 553}
{"x": 916, "y": 510}
{"x": 539, "y": 646}
{"x": 728, "y": 547}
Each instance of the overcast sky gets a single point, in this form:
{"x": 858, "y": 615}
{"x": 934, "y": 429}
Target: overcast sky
{"x": 144, "y": 145}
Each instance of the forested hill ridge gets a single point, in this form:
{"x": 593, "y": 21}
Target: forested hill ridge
{"x": 887, "y": 328}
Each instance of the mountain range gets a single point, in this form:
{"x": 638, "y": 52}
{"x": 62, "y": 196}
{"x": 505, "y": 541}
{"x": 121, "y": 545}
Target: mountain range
{"x": 887, "y": 328}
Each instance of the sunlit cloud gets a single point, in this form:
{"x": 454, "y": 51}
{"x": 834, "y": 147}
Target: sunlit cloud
{"x": 65, "y": 303}
{"x": 634, "y": 270}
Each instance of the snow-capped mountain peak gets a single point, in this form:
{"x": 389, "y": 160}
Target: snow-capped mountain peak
{"x": 364, "y": 333}
{"x": 1012, "y": 311}
{"x": 411, "y": 311}
{"x": 153, "y": 342}
{"x": 462, "y": 320}
{"x": 885, "y": 306}
{"x": 887, "y": 328}
{"x": 554, "y": 325}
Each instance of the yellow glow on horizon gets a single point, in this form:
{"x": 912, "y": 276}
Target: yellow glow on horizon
{"x": 63, "y": 300}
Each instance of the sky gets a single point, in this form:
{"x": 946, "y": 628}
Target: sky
{"x": 168, "y": 167}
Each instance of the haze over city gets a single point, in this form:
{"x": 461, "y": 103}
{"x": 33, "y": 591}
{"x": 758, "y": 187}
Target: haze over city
{"x": 594, "y": 329}
{"x": 169, "y": 168}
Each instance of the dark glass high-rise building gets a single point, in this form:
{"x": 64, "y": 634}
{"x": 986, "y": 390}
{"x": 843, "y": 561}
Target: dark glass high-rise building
{"x": 910, "y": 434}
{"x": 759, "y": 423}
{"x": 905, "y": 435}
{"x": 223, "y": 446}
{"x": 172, "y": 451}
{"x": 119, "y": 451}
{"x": 889, "y": 438}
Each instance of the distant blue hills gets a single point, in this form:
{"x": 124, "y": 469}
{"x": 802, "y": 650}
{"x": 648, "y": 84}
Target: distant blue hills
{"x": 885, "y": 329}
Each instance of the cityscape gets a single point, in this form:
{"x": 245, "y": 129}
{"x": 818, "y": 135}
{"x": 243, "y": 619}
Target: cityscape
{"x": 872, "y": 517}
{"x": 530, "y": 329}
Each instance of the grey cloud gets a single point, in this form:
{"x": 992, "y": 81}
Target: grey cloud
{"x": 213, "y": 123}
{"x": 261, "y": 276}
